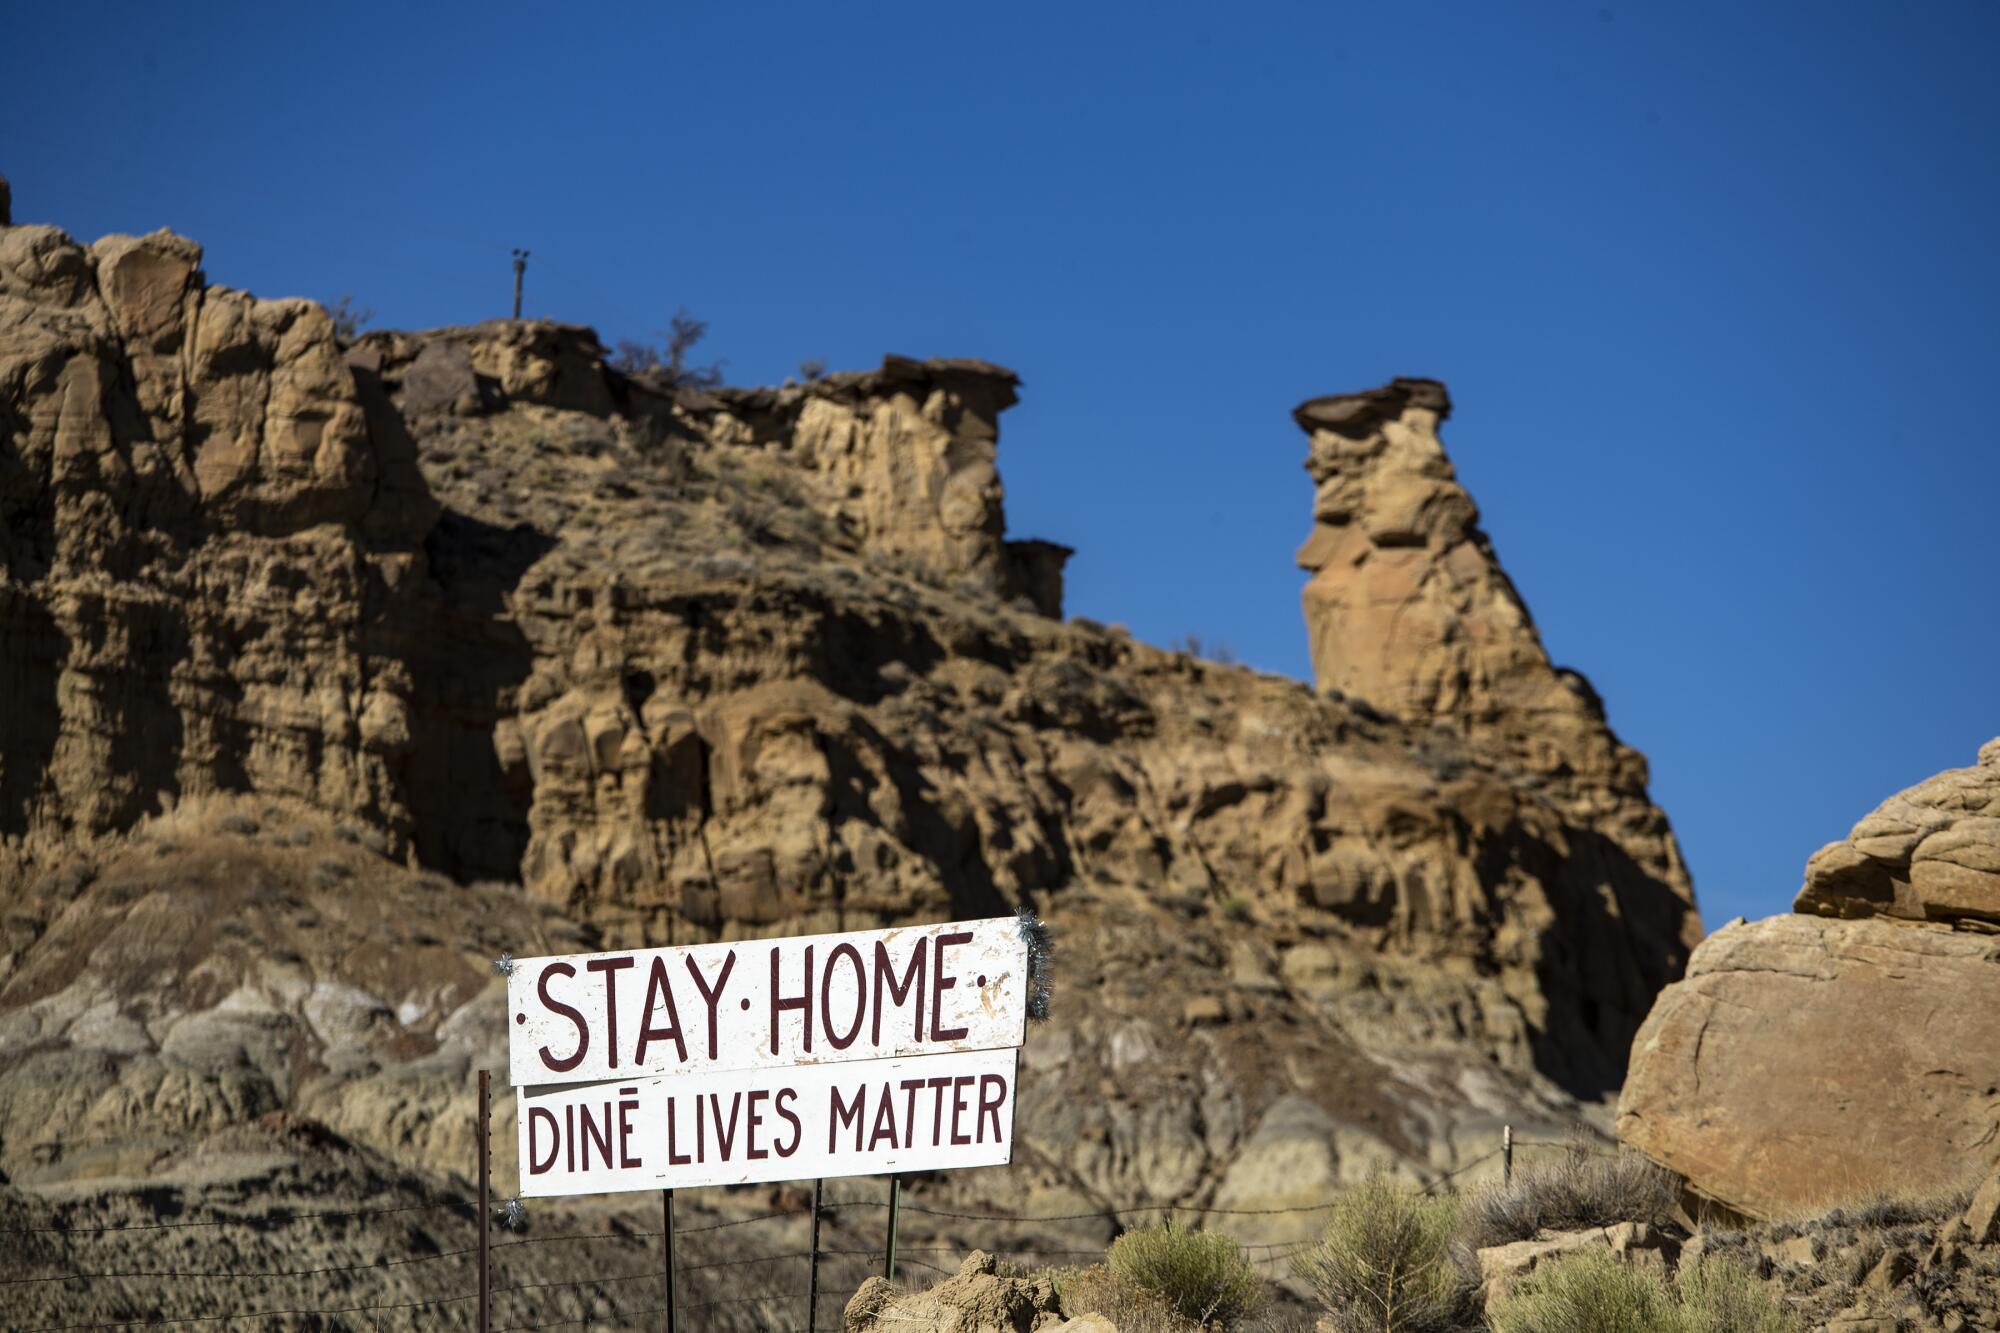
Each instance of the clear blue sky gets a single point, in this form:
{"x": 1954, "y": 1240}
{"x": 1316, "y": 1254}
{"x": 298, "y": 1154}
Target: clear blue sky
{"x": 1714, "y": 287}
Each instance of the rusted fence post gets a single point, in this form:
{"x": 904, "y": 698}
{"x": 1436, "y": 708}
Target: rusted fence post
{"x": 1506, "y": 1156}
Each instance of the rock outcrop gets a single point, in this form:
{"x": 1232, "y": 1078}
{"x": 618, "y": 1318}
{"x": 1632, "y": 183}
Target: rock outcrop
{"x": 1808, "y": 1060}
{"x": 976, "y": 1299}
{"x": 589, "y": 661}
{"x": 1931, "y": 853}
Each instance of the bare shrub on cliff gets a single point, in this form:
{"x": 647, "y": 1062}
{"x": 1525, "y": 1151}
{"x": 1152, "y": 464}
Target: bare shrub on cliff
{"x": 1384, "y": 1264}
{"x": 1585, "y": 1186}
{"x": 666, "y": 363}
{"x": 348, "y": 319}
{"x": 1203, "y": 1275}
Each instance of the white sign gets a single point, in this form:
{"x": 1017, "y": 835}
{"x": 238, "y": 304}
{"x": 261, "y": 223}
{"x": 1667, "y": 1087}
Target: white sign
{"x": 915, "y": 990}
{"x": 851, "y": 1119}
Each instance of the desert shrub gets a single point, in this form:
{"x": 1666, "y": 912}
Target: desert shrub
{"x": 1584, "y": 1187}
{"x": 1385, "y": 1261}
{"x": 1203, "y": 1275}
{"x": 666, "y": 362}
{"x": 1129, "y": 1306}
{"x": 1720, "y": 1295}
{"x": 348, "y": 319}
{"x": 1591, "y": 1292}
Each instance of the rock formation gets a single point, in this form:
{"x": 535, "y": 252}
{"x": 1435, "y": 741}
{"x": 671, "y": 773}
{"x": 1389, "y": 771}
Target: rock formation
{"x": 1931, "y": 853}
{"x": 1808, "y": 1060}
{"x": 976, "y": 1299}
{"x": 469, "y": 620}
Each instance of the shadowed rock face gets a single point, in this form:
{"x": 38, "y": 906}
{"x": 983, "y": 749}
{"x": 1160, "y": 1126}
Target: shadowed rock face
{"x": 661, "y": 666}
{"x": 1808, "y": 1061}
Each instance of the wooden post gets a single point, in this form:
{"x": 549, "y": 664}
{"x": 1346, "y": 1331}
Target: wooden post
{"x": 1506, "y": 1155}
{"x": 895, "y": 1207}
{"x": 485, "y": 1203}
{"x": 667, "y": 1216}
{"x": 812, "y": 1269}
{"x": 520, "y": 267}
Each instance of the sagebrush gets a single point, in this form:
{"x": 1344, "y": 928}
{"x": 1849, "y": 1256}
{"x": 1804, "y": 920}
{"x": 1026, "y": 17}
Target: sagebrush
{"x": 1583, "y": 1186}
{"x": 1722, "y": 1295}
{"x": 1203, "y": 1275}
{"x": 1591, "y": 1292}
{"x": 1129, "y": 1306}
{"x": 1598, "y": 1292}
{"x": 1385, "y": 1262}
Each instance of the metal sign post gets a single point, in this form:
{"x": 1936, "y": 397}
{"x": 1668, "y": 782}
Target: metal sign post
{"x": 812, "y": 1270}
{"x": 485, "y": 1202}
{"x": 667, "y": 1217}
{"x": 895, "y": 1207}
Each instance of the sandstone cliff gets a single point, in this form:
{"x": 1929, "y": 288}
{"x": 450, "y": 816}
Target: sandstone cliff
{"x": 330, "y": 671}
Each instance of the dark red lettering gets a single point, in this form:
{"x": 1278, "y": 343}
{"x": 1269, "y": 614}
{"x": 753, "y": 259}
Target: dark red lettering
{"x": 537, "y": 1164}
{"x": 940, "y": 983}
{"x": 913, "y": 980}
{"x": 659, "y": 995}
{"x": 713, "y": 998}
{"x": 725, "y": 1139}
{"x": 996, "y": 1085}
{"x": 937, "y": 1087}
{"x": 958, "y": 1087}
{"x": 610, "y": 967}
{"x": 841, "y": 1043}
{"x": 755, "y": 1118}
{"x": 885, "y": 1121}
{"x": 569, "y": 1062}
{"x": 844, "y": 1114}
{"x": 783, "y": 1101}
{"x": 596, "y": 1133}
{"x": 675, "y": 1158}
{"x": 625, "y": 1128}
{"x": 802, "y": 1002}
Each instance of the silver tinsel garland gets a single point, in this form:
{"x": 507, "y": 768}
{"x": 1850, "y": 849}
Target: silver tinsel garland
{"x": 1041, "y": 962}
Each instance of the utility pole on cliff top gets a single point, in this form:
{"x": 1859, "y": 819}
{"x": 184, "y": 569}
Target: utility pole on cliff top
{"x": 520, "y": 267}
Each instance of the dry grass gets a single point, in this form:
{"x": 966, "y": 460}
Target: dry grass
{"x": 1583, "y": 1187}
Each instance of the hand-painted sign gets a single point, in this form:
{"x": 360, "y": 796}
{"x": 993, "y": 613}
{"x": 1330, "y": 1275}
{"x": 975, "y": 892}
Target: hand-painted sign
{"x": 811, "y": 999}
{"x": 748, "y": 1125}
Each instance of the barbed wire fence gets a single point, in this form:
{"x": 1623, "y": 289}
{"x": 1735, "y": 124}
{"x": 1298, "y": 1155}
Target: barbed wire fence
{"x": 626, "y": 1297}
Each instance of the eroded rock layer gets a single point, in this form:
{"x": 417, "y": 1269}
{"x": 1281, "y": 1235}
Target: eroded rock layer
{"x": 592, "y": 661}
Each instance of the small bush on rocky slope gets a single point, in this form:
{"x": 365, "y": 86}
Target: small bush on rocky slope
{"x": 1722, "y": 1296}
{"x": 1384, "y": 1262}
{"x": 1133, "y": 1308}
{"x": 1584, "y": 1187}
{"x": 1597, "y": 1292}
{"x": 1592, "y": 1292}
{"x": 1203, "y": 1275}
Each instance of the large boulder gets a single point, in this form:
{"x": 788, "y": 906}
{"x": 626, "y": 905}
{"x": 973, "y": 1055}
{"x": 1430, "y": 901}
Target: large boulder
{"x": 1931, "y": 853}
{"x": 1809, "y": 1060}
